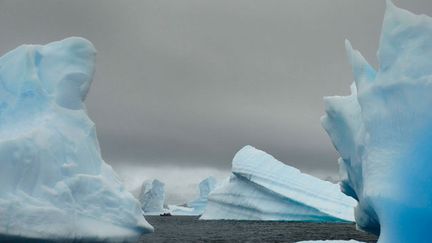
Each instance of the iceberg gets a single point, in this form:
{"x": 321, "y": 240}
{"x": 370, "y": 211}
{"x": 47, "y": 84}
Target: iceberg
{"x": 263, "y": 188}
{"x": 179, "y": 210}
{"x": 383, "y": 133}
{"x": 54, "y": 183}
{"x": 205, "y": 187}
{"x": 197, "y": 206}
{"x": 152, "y": 196}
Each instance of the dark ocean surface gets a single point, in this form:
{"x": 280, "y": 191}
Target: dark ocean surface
{"x": 190, "y": 229}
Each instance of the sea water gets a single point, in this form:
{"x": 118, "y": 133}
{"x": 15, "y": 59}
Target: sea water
{"x": 190, "y": 229}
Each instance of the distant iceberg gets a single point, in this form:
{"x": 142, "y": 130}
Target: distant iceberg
{"x": 152, "y": 196}
{"x": 54, "y": 183}
{"x": 178, "y": 210}
{"x": 263, "y": 188}
{"x": 383, "y": 131}
{"x": 205, "y": 187}
{"x": 196, "y": 207}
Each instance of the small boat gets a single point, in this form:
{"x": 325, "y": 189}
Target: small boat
{"x": 165, "y": 214}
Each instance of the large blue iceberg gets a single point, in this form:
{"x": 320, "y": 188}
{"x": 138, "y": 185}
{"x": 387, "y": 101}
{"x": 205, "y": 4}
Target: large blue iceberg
{"x": 383, "y": 131}
{"x": 152, "y": 196}
{"x": 263, "y": 188}
{"x": 54, "y": 183}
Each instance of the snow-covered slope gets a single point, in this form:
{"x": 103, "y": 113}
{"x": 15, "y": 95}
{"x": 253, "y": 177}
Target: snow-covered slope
{"x": 152, "y": 196}
{"x": 53, "y": 182}
{"x": 263, "y": 188}
{"x": 383, "y": 131}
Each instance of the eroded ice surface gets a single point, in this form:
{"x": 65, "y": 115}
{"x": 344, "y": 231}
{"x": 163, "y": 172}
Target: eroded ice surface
{"x": 152, "y": 196}
{"x": 383, "y": 131}
{"x": 263, "y": 188}
{"x": 53, "y": 181}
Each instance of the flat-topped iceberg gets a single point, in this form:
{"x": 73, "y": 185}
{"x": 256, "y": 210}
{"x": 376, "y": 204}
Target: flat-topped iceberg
{"x": 152, "y": 196}
{"x": 383, "y": 131}
{"x": 263, "y": 188}
{"x": 54, "y": 183}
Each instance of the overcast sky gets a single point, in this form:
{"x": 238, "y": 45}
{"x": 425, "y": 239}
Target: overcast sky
{"x": 187, "y": 83}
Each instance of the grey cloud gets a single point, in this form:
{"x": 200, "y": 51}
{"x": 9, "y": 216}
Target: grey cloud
{"x": 190, "y": 82}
